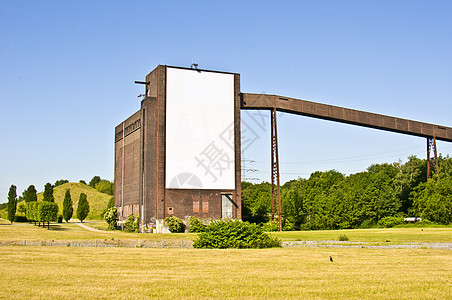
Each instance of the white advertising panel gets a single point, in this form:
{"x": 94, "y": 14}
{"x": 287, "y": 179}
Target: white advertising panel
{"x": 199, "y": 130}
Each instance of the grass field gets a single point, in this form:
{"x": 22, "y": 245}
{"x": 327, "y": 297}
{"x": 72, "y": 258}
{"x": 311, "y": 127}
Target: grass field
{"x": 382, "y": 235}
{"x": 70, "y": 231}
{"x": 282, "y": 273}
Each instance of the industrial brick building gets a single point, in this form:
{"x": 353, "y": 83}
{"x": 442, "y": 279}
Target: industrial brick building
{"x": 180, "y": 153}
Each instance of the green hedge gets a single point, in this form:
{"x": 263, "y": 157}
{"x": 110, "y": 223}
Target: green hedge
{"x": 42, "y": 212}
{"x": 234, "y": 234}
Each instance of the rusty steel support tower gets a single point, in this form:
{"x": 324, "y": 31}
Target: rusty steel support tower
{"x": 276, "y": 189}
{"x": 432, "y": 161}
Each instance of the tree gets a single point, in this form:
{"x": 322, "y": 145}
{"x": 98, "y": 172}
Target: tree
{"x": 67, "y": 206}
{"x": 411, "y": 174}
{"x": 60, "y": 182}
{"x": 48, "y": 193}
{"x": 94, "y": 181}
{"x": 82, "y": 207}
{"x": 22, "y": 208}
{"x": 12, "y": 202}
{"x": 105, "y": 186}
{"x": 110, "y": 204}
{"x": 30, "y": 194}
{"x": 256, "y": 202}
{"x": 31, "y": 211}
{"x": 47, "y": 212}
{"x": 433, "y": 200}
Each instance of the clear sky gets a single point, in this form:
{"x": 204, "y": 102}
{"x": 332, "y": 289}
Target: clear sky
{"x": 67, "y": 70}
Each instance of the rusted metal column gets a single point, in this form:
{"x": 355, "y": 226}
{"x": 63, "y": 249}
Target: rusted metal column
{"x": 272, "y": 171}
{"x": 432, "y": 162}
{"x": 276, "y": 190}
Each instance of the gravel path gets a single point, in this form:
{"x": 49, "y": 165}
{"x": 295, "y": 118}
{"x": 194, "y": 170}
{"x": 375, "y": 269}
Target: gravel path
{"x": 339, "y": 244}
{"x": 89, "y": 227}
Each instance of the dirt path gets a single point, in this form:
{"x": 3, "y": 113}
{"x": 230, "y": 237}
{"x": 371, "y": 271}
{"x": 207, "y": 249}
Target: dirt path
{"x": 89, "y": 227}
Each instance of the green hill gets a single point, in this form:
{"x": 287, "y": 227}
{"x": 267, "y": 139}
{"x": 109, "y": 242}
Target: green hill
{"x": 97, "y": 201}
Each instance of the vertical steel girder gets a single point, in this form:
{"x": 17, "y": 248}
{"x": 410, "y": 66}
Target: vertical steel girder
{"x": 276, "y": 190}
{"x": 432, "y": 161}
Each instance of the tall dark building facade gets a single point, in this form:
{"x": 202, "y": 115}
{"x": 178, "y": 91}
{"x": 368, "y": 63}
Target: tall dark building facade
{"x": 180, "y": 153}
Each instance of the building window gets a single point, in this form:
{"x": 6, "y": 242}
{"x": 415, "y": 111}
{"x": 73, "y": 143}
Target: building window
{"x": 226, "y": 206}
{"x": 205, "y": 206}
{"x": 195, "y": 206}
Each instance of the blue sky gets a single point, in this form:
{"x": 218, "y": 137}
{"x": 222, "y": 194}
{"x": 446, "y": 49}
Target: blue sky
{"x": 67, "y": 70}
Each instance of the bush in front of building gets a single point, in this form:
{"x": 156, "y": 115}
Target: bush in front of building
{"x": 132, "y": 224}
{"x": 174, "y": 224}
{"x": 196, "y": 225}
{"x": 111, "y": 217}
{"x": 234, "y": 234}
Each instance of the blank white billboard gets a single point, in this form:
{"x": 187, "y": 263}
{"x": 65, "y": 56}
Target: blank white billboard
{"x": 199, "y": 130}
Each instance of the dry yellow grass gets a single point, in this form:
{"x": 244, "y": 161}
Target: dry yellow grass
{"x": 380, "y": 235}
{"x": 295, "y": 273}
{"x": 71, "y": 231}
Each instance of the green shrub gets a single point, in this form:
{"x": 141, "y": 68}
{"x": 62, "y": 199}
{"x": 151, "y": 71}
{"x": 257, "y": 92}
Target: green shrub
{"x": 272, "y": 225}
{"x": 288, "y": 225}
{"x": 367, "y": 224}
{"x": 175, "y": 224}
{"x": 21, "y": 219}
{"x": 234, "y": 234}
{"x": 131, "y": 225}
{"x": 111, "y": 217}
{"x": 60, "y": 218}
{"x": 343, "y": 237}
{"x": 136, "y": 223}
{"x": 389, "y": 222}
{"x": 420, "y": 224}
{"x": 196, "y": 225}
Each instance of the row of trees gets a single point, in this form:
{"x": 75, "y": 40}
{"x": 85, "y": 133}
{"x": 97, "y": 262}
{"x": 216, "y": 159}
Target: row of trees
{"x": 47, "y": 210}
{"x": 82, "y": 207}
{"x": 42, "y": 212}
{"x": 30, "y": 195}
{"x": 330, "y": 200}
